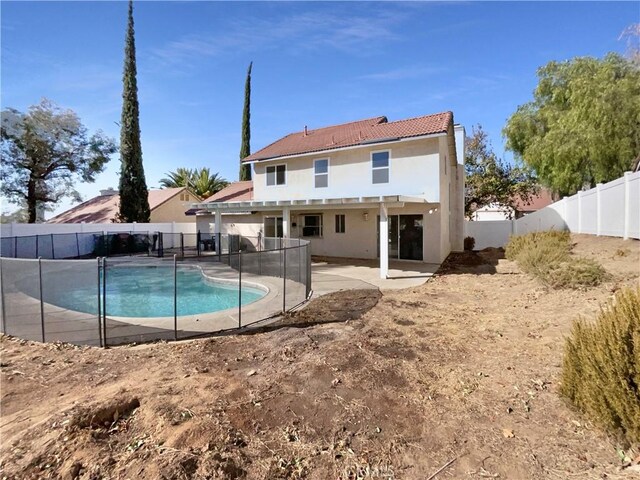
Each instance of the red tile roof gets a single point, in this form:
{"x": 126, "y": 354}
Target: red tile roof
{"x": 355, "y": 133}
{"x": 543, "y": 199}
{"x": 236, "y": 192}
{"x": 104, "y": 208}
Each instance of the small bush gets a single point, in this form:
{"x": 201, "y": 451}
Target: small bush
{"x": 469, "y": 243}
{"x": 551, "y": 239}
{"x": 601, "y": 366}
{"x": 575, "y": 273}
{"x": 547, "y": 256}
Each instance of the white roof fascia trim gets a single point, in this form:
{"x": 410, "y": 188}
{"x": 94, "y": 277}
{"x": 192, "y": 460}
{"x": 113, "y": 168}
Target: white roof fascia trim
{"x": 321, "y": 202}
{"x": 351, "y": 147}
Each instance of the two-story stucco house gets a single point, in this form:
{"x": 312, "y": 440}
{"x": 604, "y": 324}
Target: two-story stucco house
{"x": 366, "y": 189}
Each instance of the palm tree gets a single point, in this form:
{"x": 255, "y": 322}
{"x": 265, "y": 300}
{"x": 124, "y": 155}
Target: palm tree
{"x": 200, "y": 181}
{"x": 182, "y": 177}
{"x": 206, "y": 184}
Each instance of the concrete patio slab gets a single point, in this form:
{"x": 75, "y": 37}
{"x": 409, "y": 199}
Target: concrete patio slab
{"x": 330, "y": 274}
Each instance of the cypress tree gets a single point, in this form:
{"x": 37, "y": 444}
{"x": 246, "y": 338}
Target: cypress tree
{"x": 134, "y": 196}
{"x": 245, "y": 149}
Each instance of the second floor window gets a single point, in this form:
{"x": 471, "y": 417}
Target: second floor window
{"x": 321, "y": 173}
{"x": 276, "y": 175}
{"x": 380, "y": 167}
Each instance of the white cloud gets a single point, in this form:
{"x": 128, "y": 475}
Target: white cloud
{"x": 297, "y": 32}
{"x": 404, "y": 73}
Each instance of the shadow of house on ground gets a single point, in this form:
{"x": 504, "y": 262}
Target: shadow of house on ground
{"x": 483, "y": 262}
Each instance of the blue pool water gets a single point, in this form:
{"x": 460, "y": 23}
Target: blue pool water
{"x": 149, "y": 292}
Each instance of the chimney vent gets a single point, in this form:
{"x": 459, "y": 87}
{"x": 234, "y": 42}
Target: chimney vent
{"x": 108, "y": 192}
{"x": 305, "y": 130}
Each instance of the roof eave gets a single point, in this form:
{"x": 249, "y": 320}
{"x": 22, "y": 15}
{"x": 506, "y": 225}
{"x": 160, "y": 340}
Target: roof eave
{"x": 349, "y": 147}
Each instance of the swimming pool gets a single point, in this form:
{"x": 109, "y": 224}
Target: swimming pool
{"x": 149, "y": 292}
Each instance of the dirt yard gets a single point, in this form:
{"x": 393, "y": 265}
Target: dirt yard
{"x": 461, "y": 373}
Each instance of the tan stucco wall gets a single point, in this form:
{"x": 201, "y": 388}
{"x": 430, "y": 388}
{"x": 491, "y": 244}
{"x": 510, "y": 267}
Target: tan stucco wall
{"x": 360, "y": 239}
{"x": 173, "y": 211}
{"x": 413, "y": 171}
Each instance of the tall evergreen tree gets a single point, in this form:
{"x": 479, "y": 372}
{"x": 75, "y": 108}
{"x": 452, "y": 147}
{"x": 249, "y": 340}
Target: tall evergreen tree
{"x": 245, "y": 149}
{"x": 134, "y": 201}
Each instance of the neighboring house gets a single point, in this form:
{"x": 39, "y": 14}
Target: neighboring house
{"x": 366, "y": 189}
{"x": 497, "y": 211}
{"x": 167, "y": 205}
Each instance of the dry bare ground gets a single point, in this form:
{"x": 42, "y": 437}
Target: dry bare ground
{"x": 357, "y": 385}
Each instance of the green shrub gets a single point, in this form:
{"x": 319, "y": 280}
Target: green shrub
{"x": 601, "y": 366}
{"x": 547, "y": 256}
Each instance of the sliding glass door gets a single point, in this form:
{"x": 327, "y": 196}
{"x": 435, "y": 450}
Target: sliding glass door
{"x": 405, "y": 237}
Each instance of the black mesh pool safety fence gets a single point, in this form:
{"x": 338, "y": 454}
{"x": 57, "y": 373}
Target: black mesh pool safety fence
{"x": 199, "y": 285}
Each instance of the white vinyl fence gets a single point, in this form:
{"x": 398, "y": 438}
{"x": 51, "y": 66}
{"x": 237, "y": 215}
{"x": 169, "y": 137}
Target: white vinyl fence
{"x": 29, "y": 229}
{"x": 70, "y": 240}
{"x": 611, "y": 209}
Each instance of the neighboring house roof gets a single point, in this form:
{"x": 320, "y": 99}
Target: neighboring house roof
{"x": 104, "y": 207}
{"x": 361, "y": 132}
{"x": 236, "y": 191}
{"x": 543, "y": 199}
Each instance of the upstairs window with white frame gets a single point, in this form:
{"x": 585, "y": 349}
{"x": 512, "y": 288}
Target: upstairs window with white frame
{"x": 276, "y": 175}
{"x": 380, "y": 167}
{"x": 321, "y": 173}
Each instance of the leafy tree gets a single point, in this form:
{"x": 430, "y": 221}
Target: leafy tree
{"x": 583, "y": 125}
{"x": 490, "y": 180}
{"x": 45, "y": 152}
{"x": 200, "y": 181}
{"x": 134, "y": 201}
{"x": 245, "y": 148}
{"x": 21, "y": 215}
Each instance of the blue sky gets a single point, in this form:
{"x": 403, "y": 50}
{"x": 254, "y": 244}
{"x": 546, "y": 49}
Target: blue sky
{"x": 315, "y": 64}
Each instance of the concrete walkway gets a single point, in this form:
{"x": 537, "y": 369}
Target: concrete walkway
{"x": 331, "y": 274}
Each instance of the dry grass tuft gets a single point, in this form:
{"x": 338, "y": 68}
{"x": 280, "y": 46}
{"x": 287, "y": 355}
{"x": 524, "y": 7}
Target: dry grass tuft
{"x": 601, "y": 367}
{"x": 547, "y": 256}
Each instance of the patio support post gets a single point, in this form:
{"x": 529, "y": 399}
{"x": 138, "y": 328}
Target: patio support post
{"x": 286, "y": 222}
{"x": 384, "y": 242}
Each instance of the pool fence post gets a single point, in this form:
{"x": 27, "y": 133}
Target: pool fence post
{"x": 260, "y": 262}
{"x": 284, "y": 279}
{"x": 99, "y": 307}
{"x": 41, "y": 299}
{"x": 175, "y": 297}
{"x": 37, "y": 246}
{"x": 219, "y": 245}
{"x": 239, "y": 289}
{"x": 15, "y": 247}
{"x": 53, "y": 253}
{"x": 77, "y": 244}
{"x": 104, "y": 301}
{"x": 299, "y": 262}
{"x": 4, "y": 313}
{"x": 198, "y": 236}
{"x": 182, "y": 244}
